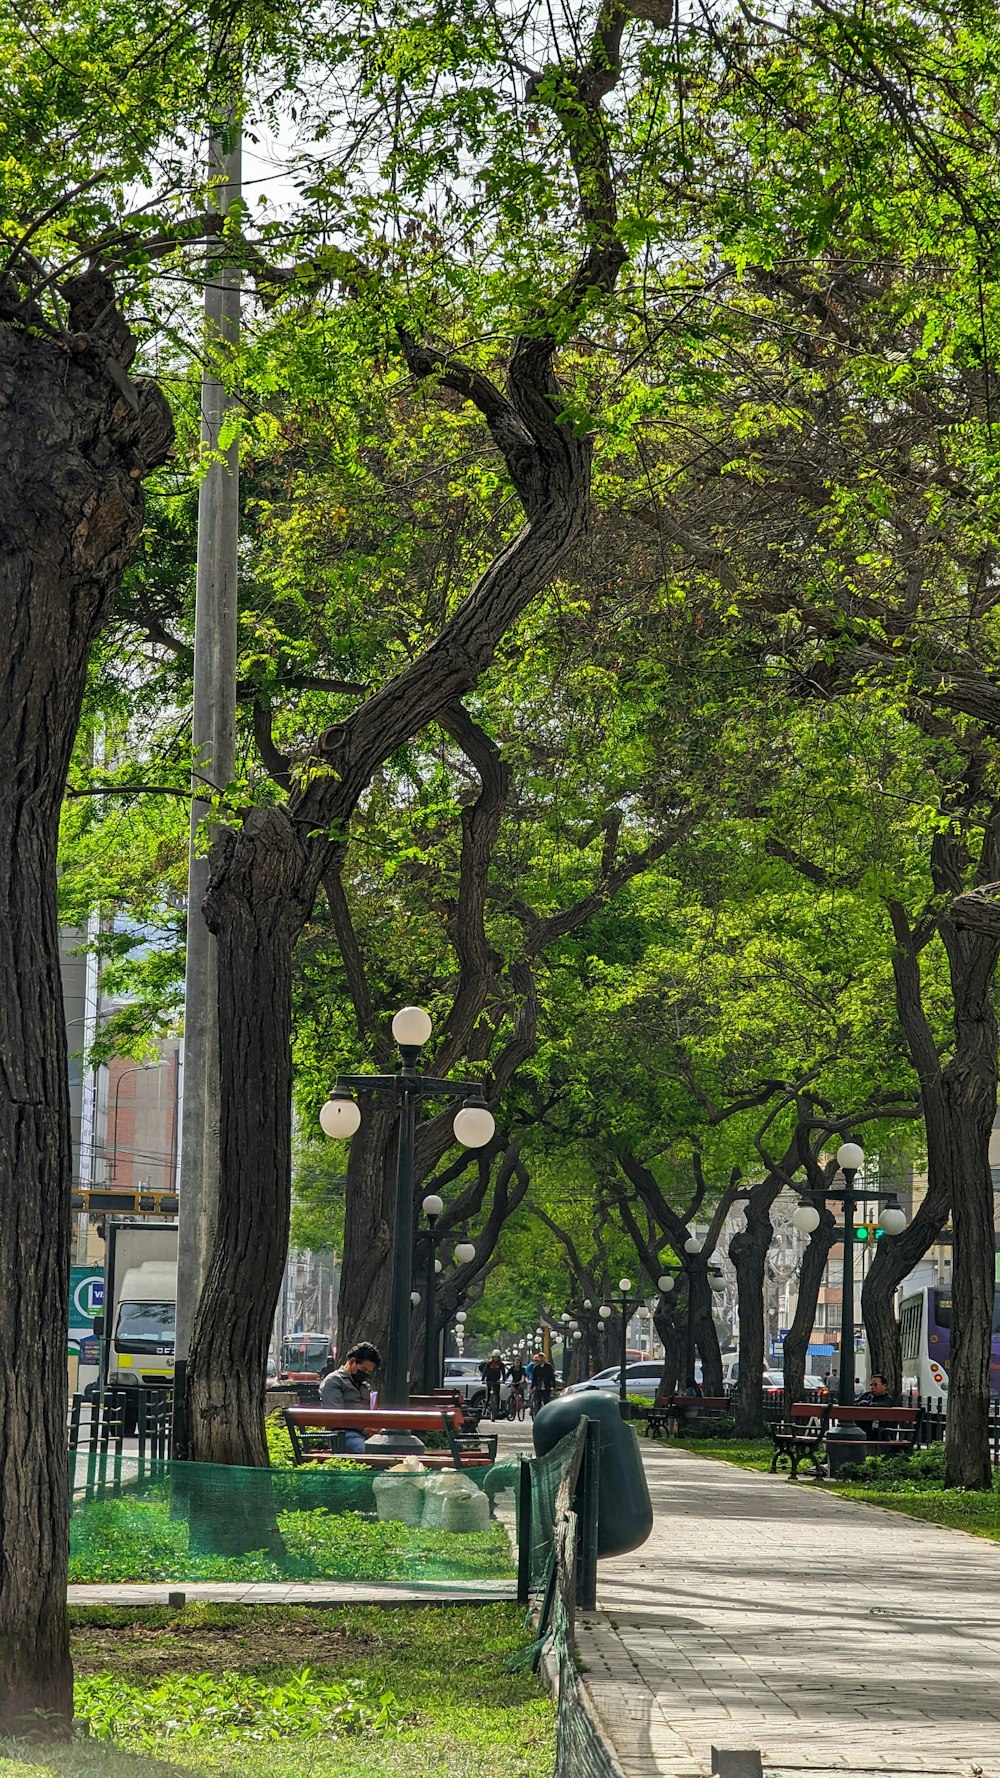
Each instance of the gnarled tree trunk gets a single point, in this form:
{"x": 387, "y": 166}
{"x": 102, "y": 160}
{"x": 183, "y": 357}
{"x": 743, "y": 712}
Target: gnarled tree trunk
{"x": 748, "y": 1251}
{"x": 76, "y": 439}
{"x": 959, "y": 1103}
{"x": 895, "y": 1258}
{"x": 228, "y": 1359}
{"x": 810, "y": 1279}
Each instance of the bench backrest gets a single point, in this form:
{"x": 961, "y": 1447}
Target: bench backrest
{"x": 863, "y": 1415}
{"x": 808, "y": 1410}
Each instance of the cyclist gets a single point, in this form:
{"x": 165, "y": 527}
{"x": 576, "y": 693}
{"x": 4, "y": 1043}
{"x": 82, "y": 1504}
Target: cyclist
{"x": 543, "y": 1382}
{"x": 518, "y": 1387}
{"x": 493, "y": 1373}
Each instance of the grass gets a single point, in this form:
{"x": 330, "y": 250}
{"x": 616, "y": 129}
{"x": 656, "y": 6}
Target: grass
{"x": 167, "y": 1681}
{"x": 136, "y": 1538}
{"x": 754, "y": 1453}
{"x": 917, "y": 1497}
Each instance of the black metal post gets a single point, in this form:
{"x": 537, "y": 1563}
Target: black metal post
{"x": 431, "y": 1377}
{"x": 396, "y": 1376}
{"x": 622, "y": 1398}
{"x": 846, "y": 1390}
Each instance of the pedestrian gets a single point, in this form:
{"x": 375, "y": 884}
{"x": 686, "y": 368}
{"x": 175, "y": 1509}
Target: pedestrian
{"x": 350, "y": 1387}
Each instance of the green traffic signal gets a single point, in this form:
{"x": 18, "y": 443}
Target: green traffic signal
{"x": 861, "y": 1231}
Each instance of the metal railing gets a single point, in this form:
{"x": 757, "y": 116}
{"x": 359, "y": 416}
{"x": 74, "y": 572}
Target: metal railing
{"x": 102, "y": 1423}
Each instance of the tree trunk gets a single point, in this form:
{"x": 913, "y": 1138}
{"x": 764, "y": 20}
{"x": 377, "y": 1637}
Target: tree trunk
{"x": 959, "y": 1104}
{"x": 363, "y": 1306}
{"x": 75, "y": 442}
{"x": 895, "y": 1259}
{"x": 705, "y": 1337}
{"x": 970, "y": 1098}
{"x": 748, "y": 1251}
{"x": 810, "y": 1279}
{"x": 255, "y": 928}
{"x": 672, "y": 1342}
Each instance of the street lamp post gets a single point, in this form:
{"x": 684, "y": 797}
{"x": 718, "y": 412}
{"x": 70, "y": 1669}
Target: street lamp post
{"x": 806, "y": 1218}
{"x": 474, "y": 1127}
{"x": 628, "y": 1309}
{"x": 665, "y": 1284}
{"x": 433, "y": 1236}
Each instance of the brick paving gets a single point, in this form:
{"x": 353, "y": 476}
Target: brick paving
{"x": 832, "y": 1637}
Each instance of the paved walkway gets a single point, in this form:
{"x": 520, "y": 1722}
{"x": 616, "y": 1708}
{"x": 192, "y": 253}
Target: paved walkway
{"x": 832, "y": 1637}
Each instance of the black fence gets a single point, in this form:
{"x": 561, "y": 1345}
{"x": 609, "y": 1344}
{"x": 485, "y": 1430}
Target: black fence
{"x": 102, "y": 1422}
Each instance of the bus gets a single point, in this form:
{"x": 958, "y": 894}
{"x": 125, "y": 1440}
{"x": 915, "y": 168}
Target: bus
{"x": 306, "y": 1356}
{"x": 925, "y": 1340}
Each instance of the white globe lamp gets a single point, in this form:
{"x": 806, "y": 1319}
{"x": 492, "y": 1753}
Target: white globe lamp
{"x": 465, "y": 1253}
{"x": 474, "y": 1126}
{"x": 665, "y": 1283}
{"x": 411, "y": 1027}
{"x": 805, "y": 1218}
{"x": 340, "y": 1117}
{"x": 850, "y": 1157}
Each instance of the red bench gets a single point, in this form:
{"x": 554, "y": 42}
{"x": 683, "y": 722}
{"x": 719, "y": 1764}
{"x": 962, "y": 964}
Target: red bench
{"x": 800, "y": 1436}
{"x": 675, "y": 1410}
{"x": 315, "y": 1433}
{"x": 895, "y": 1429}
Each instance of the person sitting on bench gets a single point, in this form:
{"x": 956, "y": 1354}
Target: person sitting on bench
{"x": 350, "y": 1387}
{"x": 692, "y": 1391}
{"x": 877, "y": 1394}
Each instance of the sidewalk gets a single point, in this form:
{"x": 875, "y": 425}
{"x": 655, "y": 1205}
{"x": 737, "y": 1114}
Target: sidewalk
{"x": 833, "y": 1637}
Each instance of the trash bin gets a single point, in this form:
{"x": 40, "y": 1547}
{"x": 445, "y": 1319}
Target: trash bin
{"x": 845, "y": 1443}
{"x": 624, "y": 1509}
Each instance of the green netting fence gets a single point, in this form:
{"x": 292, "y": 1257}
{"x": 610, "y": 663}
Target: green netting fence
{"x": 148, "y": 1519}
{"x": 142, "y": 1519}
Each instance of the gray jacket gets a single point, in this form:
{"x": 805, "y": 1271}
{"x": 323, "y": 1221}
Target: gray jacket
{"x": 340, "y": 1390}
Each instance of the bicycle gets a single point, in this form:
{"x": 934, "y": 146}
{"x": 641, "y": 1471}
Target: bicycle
{"x": 516, "y": 1404}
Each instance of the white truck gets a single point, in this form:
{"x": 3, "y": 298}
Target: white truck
{"x": 140, "y": 1298}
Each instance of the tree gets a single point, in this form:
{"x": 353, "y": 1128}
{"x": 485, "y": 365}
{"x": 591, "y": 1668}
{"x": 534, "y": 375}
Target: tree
{"x": 266, "y": 873}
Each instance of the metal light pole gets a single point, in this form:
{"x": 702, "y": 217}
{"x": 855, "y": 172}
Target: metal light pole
{"x": 628, "y": 1309}
{"x": 474, "y": 1127}
{"x": 464, "y": 1252}
{"x": 806, "y": 1218}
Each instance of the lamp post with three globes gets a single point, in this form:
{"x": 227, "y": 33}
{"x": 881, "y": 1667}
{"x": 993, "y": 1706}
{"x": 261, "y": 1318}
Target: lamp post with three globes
{"x": 892, "y": 1221}
{"x": 474, "y": 1128}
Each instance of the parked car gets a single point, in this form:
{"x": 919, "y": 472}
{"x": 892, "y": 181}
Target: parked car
{"x": 463, "y": 1374}
{"x": 641, "y": 1379}
{"x": 773, "y": 1379}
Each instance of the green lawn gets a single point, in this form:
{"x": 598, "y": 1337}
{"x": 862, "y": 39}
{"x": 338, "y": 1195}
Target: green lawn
{"x": 138, "y": 1538}
{"x": 975, "y": 1512}
{"x": 436, "y": 1675}
{"x": 753, "y": 1453}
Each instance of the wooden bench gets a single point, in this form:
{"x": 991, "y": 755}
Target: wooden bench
{"x": 317, "y": 1433}
{"x": 669, "y": 1410}
{"x": 891, "y": 1431}
{"x": 800, "y": 1436}
{"x": 466, "y": 1418}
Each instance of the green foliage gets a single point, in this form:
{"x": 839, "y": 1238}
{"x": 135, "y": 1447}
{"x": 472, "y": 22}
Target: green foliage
{"x": 921, "y": 1473}
{"x": 200, "y": 1708}
{"x": 139, "y": 1539}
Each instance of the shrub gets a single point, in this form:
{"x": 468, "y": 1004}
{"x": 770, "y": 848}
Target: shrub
{"x": 921, "y": 1473}
{"x": 228, "y": 1707}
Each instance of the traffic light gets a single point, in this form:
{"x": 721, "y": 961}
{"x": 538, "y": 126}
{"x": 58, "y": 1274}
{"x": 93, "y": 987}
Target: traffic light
{"x": 868, "y": 1231}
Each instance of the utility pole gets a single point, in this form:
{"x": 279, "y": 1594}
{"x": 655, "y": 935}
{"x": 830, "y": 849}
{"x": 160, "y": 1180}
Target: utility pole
{"x": 214, "y": 761}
